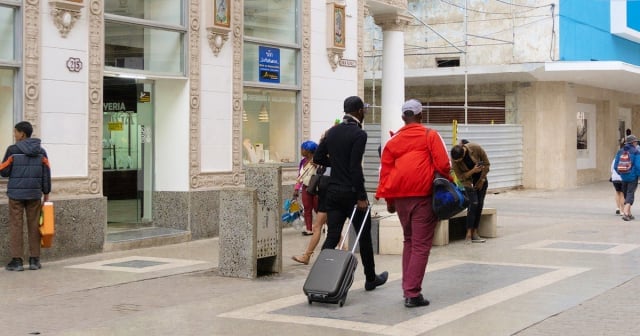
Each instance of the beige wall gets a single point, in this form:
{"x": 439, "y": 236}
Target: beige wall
{"x": 547, "y": 112}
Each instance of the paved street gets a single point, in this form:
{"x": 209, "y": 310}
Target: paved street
{"x": 563, "y": 264}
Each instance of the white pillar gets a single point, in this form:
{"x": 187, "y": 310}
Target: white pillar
{"x": 393, "y": 26}
{"x": 392, "y": 83}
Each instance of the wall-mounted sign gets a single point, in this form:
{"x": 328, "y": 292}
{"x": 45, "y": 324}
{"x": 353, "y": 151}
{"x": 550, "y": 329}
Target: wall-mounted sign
{"x": 120, "y": 94}
{"x": 74, "y": 64}
{"x": 349, "y": 63}
{"x": 115, "y": 126}
{"x": 115, "y": 107}
{"x": 144, "y": 97}
{"x": 269, "y": 64}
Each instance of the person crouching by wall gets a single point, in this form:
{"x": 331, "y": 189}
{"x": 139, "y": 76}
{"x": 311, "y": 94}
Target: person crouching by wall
{"x": 471, "y": 166}
{"x": 26, "y": 165}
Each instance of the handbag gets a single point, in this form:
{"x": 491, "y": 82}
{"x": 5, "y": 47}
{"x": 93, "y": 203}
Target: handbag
{"x": 47, "y": 225}
{"x": 318, "y": 181}
{"x": 448, "y": 198}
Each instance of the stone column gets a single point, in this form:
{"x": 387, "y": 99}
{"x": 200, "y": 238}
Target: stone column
{"x": 393, "y": 26}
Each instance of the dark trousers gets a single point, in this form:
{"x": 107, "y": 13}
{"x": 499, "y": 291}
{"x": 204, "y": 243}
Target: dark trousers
{"x": 476, "y": 203}
{"x": 418, "y": 225}
{"x": 310, "y": 204}
{"x": 17, "y": 210}
{"x": 339, "y": 206}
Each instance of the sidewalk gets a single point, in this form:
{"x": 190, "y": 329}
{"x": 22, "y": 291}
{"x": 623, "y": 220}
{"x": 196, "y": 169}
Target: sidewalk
{"x": 563, "y": 264}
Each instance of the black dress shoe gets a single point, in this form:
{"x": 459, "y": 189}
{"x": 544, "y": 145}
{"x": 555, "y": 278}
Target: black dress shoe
{"x": 379, "y": 281}
{"x": 417, "y": 301}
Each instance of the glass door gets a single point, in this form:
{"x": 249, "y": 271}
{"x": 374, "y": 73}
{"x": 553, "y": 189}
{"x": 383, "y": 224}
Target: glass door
{"x": 128, "y": 151}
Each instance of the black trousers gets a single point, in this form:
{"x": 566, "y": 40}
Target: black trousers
{"x": 476, "y": 203}
{"x": 339, "y": 205}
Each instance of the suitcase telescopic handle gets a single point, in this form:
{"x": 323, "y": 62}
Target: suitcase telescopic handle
{"x": 364, "y": 221}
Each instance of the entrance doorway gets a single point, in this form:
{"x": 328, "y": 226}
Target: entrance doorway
{"x": 127, "y": 152}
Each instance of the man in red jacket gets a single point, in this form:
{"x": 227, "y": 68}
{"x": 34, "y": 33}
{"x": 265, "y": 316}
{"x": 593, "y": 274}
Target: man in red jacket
{"x": 409, "y": 162}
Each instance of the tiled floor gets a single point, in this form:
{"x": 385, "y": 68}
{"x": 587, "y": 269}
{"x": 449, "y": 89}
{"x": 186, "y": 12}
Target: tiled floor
{"x": 137, "y": 264}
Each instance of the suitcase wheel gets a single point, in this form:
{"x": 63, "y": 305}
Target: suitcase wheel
{"x": 342, "y": 300}
{"x": 309, "y": 299}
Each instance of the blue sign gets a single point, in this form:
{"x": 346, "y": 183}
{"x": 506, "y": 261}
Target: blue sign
{"x": 269, "y": 64}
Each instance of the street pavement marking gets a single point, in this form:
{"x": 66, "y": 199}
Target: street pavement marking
{"x": 137, "y": 264}
{"x": 547, "y": 245}
{"x": 417, "y": 325}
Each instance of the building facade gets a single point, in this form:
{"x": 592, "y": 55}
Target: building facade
{"x": 567, "y": 71}
{"x": 149, "y": 108}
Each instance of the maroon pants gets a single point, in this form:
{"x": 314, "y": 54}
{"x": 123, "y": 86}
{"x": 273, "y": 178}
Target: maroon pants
{"x": 17, "y": 209}
{"x": 310, "y": 204}
{"x": 418, "y": 224}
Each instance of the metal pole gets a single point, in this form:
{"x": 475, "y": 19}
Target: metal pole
{"x": 466, "y": 42}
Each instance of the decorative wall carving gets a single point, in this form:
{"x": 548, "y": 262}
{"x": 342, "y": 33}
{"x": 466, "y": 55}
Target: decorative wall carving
{"x": 32, "y": 63}
{"x": 393, "y": 22}
{"x": 96, "y": 67}
{"x": 194, "y": 92}
{"x": 217, "y": 37}
{"x": 65, "y": 14}
{"x": 363, "y": 11}
{"x": 306, "y": 72}
{"x": 218, "y": 18}
{"x": 237, "y": 23}
{"x": 336, "y": 20}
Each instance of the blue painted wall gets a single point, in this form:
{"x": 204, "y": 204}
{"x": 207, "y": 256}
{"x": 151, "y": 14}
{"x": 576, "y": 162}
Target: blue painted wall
{"x": 633, "y": 15}
{"x": 585, "y": 32}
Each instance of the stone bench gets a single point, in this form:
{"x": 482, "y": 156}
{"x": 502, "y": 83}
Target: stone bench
{"x": 486, "y": 229}
{"x": 390, "y": 239}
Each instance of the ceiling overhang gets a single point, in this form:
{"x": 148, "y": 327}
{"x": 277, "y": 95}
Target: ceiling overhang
{"x": 612, "y": 75}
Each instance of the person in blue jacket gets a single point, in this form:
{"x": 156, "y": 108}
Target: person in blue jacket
{"x": 629, "y": 178}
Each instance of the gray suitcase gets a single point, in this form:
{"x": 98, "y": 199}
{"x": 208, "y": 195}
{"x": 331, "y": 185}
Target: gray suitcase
{"x": 331, "y": 275}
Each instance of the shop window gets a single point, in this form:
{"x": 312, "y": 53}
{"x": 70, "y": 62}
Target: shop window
{"x": 270, "y": 116}
{"x": 143, "y": 48}
{"x": 10, "y": 60}
{"x": 7, "y": 94}
{"x": 269, "y": 126}
{"x": 7, "y": 33}
{"x": 145, "y": 35}
{"x": 274, "y": 20}
{"x": 166, "y": 11}
{"x": 286, "y": 67}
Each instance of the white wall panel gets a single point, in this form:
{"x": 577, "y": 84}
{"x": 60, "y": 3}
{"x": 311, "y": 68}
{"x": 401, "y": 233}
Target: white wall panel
{"x": 64, "y": 123}
{"x": 172, "y": 135}
{"x": 66, "y": 160}
{"x": 215, "y": 135}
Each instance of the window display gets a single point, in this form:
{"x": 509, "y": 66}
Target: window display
{"x": 269, "y": 126}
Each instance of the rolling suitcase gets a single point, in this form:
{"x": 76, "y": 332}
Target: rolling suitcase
{"x": 331, "y": 275}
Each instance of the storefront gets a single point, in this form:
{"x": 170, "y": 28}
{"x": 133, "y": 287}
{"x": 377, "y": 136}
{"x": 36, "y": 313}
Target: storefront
{"x": 151, "y": 109}
{"x": 144, "y": 40}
